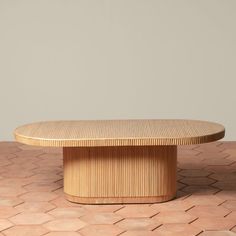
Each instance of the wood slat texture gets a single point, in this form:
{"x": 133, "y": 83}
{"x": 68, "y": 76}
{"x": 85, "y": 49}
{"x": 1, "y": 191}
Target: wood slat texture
{"x": 119, "y": 133}
{"x": 120, "y": 174}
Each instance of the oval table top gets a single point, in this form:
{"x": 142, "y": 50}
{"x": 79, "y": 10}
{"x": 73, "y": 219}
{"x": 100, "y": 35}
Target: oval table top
{"x": 89, "y": 133}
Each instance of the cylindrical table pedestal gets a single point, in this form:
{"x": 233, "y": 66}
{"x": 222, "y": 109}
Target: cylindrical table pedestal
{"x": 122, "y": 174}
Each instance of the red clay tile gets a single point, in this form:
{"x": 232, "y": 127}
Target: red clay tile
{"x": 17, "y": 174}
{"x": 218, "y": 161}
{"x": 45, "y": 177}
{"x": 210, "y": 147}
{"x": 228, "y": 144}
{"x": 194, "y": 164}
{"x": 214, "y": 223}
{"x": 131, "y": 211}
{"x": 9, "y": 150}
{"x": 103, "y": 208}
{"x": 179, "y": 177}
{"x": 38, "y": 196}
{"x": 226, "y": 195}
{"x": 5, "y": 224}
{"x": 27, "y": 147}
{"x": 47, "y": 170}
{"x": 4, "y": 157}
{"x": 181, "y": 195}
{"x": 232, "y": 158}
{"x": 27, "y": 166}
{"x": 174, "y": 205}
{"x": 174, "y": 217}
{"x": 6, "y": 191}
{"x": 225, "y": 176}
{"x": 4, "y": 162}
{"x": 209, "y": 200}
{"x": 209, "y": 211}
{"x": 177, "y": 229}
{"x": 186, "y": 153}
{"x": 42, "y": 186}
{"x": 15, "y": 182}
{"x": 29, "y": 153}
{"x": 39, "y": 174}
{"x": 213, "y": 154}
{"x": 230, "y": 151}
{"x": 7, "y": 211}
{"x": 66, "y": 233}
{"x": 200, "y": 190}
{"x": 180, "y": 185}
{"x": 233, "y": 229}
{"x": 139, "y": 233}
{"x": 10, "y": 201}
{"x": 59, "y": 192}
{"x": 138, "y": 224}
{"x": 7, "y": 144}
{"x": 50, "y": 159}
{"x": 225, "y": 185}
{"x": 52, "y": 150}
{"x": 197, "y": 181}
{"x": 230, "y": 205}
{"x": 217, "y": 233}
{"x": 25, "y": 162}
{"x": 231, "y": 216}
{"x": 71, "y": 224}
{"x": 101, "y": 218}
{"x": 220, "y": 170}
{"x": 68, "y": 212}
{"x": 101, "y": 230}
{"x": 30, "y": 218}
{"x": 35, "y": 207}
{"x": 10, "y": 156}
{"x": 194, "y": 173}
{"x": 25, "y": 230}
{"x": 62, "y": 202}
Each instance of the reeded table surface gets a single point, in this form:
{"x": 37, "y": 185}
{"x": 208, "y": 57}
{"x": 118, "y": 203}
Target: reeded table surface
{"x": 119, "y": 161}
{"x": 89, "y": 133}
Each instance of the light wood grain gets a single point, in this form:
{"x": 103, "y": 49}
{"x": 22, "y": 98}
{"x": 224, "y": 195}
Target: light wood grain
{"x": 119, "y": 161}
{"x": 120, "y": 174}
{"x": 119, "y": 133}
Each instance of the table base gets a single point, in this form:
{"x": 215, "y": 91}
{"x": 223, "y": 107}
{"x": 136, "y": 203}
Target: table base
{"x": 120, "y": 174}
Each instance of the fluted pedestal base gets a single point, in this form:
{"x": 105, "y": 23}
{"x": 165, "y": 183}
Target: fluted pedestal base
{"x": 132, "y": 174}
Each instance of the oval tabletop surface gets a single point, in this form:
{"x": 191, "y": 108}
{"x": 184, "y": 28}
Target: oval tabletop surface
{"x": 88, "y": 133}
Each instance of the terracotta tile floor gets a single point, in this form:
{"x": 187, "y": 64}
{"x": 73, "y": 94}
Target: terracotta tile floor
{"x": 32, "y": 203}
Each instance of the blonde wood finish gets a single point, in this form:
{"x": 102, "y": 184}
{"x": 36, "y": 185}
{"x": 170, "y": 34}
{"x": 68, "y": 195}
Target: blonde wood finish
{"x": 119, "y": 161}
{"x": 119, "y": 133}
{"x": 125, "y": 174}
{"x": 118, "y": 200}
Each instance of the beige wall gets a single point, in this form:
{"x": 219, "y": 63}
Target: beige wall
{"x": 106, "y": 59}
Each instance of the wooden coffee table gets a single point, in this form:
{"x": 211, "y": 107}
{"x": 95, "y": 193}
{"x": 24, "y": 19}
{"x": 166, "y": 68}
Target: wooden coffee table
{"x": 119, "y": 161}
